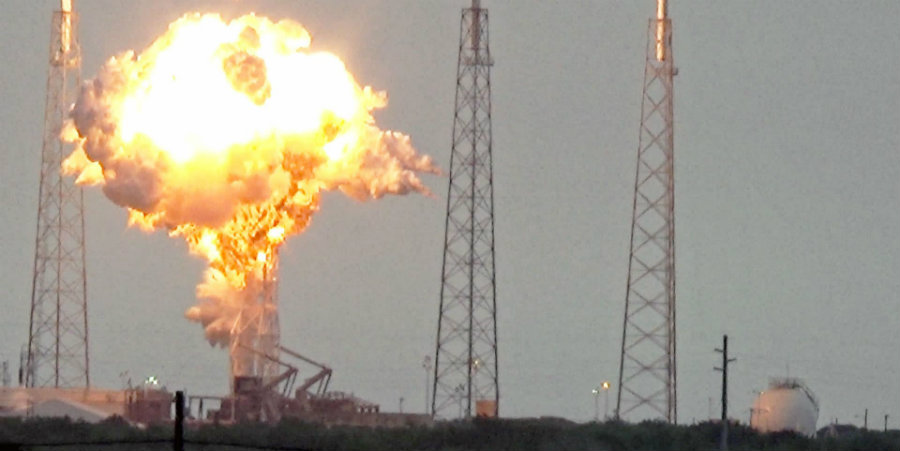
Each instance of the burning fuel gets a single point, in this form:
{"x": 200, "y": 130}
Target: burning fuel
{"x": 226, "y": 133}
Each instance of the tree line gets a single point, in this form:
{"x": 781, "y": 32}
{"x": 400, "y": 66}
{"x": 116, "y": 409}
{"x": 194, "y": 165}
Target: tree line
{"x": 546, "y": 434}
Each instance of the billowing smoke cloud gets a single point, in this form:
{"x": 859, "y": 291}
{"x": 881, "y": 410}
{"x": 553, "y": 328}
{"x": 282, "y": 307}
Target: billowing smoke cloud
{"x": 225, "y": 133}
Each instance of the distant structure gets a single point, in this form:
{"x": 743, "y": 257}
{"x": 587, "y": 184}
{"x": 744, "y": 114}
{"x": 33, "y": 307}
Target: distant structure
{"x": 647, "y": 382}
{"x": 57, "y": 352}
{"x": 139, "y": 405}
{"x": 465, "y": 370}
{"x": 787, "y": 405}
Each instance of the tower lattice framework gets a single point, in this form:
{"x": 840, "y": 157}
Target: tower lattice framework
{"x": 647, "y": 370}
{"x": 255, "y": 338}
{"x": 465, "y": 371}
{"x": 57, "y": 353}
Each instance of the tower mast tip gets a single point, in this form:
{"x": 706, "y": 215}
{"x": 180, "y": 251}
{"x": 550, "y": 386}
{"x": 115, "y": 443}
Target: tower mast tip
{"x": 662, "y": 15}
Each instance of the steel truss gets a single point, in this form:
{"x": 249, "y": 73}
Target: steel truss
{"x": 647, "y": 371}
{"x": 57, "y": 353}
{"x": 465, "y": 371}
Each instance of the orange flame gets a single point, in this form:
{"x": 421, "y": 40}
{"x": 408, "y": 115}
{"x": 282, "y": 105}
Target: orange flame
{"x": 225, "y": 133}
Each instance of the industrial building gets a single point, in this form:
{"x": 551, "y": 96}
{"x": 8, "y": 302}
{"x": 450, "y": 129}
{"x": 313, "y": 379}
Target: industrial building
{"x": 140, "y": 406}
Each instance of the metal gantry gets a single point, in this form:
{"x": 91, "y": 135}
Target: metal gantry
{"x": 647, "y": 370}
{"x": 255, "y": 336}
{"x": 57, "y": 350}
{"x": 465, "y": 370}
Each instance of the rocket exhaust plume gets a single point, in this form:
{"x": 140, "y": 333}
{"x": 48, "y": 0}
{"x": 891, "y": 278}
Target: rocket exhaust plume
{"x": 226, "y": 133}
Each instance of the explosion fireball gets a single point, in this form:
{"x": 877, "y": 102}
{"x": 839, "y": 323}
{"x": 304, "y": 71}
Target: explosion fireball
{"x": 226, "y": 133}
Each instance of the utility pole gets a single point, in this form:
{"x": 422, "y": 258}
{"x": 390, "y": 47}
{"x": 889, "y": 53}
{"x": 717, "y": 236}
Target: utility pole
{"x": 885, "y": 422}
{"x": 178, "y": 438}
{"x": 605, "y": 386}
{"x": 426, "y": 365}
{"x": 723, "y": 441}
{"x": 866, "y": 420}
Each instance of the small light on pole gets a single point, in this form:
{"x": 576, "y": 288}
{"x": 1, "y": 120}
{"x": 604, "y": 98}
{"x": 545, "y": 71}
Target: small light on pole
{"x": 605, "y": 385}
{"x": 596, "y": 393}
{"x": 459, "y": 393}
{"x": 426, "y": 365}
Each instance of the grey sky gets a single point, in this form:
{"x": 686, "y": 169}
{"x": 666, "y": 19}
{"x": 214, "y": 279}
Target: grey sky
{"x": 787, "y": 131}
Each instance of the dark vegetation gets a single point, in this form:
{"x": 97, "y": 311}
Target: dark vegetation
{"x": 526, "y": 434}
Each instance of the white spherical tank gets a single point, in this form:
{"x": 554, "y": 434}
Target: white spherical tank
{"x": 788, "y": 405}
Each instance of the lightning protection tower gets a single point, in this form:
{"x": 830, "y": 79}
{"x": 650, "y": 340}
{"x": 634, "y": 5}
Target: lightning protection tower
{"x": 465, "y": 371}
{"x": 57, "y": 353}
{"x": 647, "y": 382}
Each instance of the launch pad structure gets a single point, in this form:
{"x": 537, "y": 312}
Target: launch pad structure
{"x": 255, "y": 336}
{"x": 265, "y": 383}
{"x": 264, "y": 375}
{"x": 55, "y": 364}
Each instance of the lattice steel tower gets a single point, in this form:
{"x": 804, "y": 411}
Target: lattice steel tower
{"x": 256, "y": 333}
{"x": 57, "y": 354}
{"x": 647, "y": 382}
{"x": 465, "y": 371}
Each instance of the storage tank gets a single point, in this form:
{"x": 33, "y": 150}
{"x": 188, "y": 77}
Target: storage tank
{"x": 787, "y": 405}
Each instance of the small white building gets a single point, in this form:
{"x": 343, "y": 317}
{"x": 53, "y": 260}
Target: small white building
{"x": 61, "y": 407}
{"x": 85, "y": 404}
{"x": 787, "y": 405}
